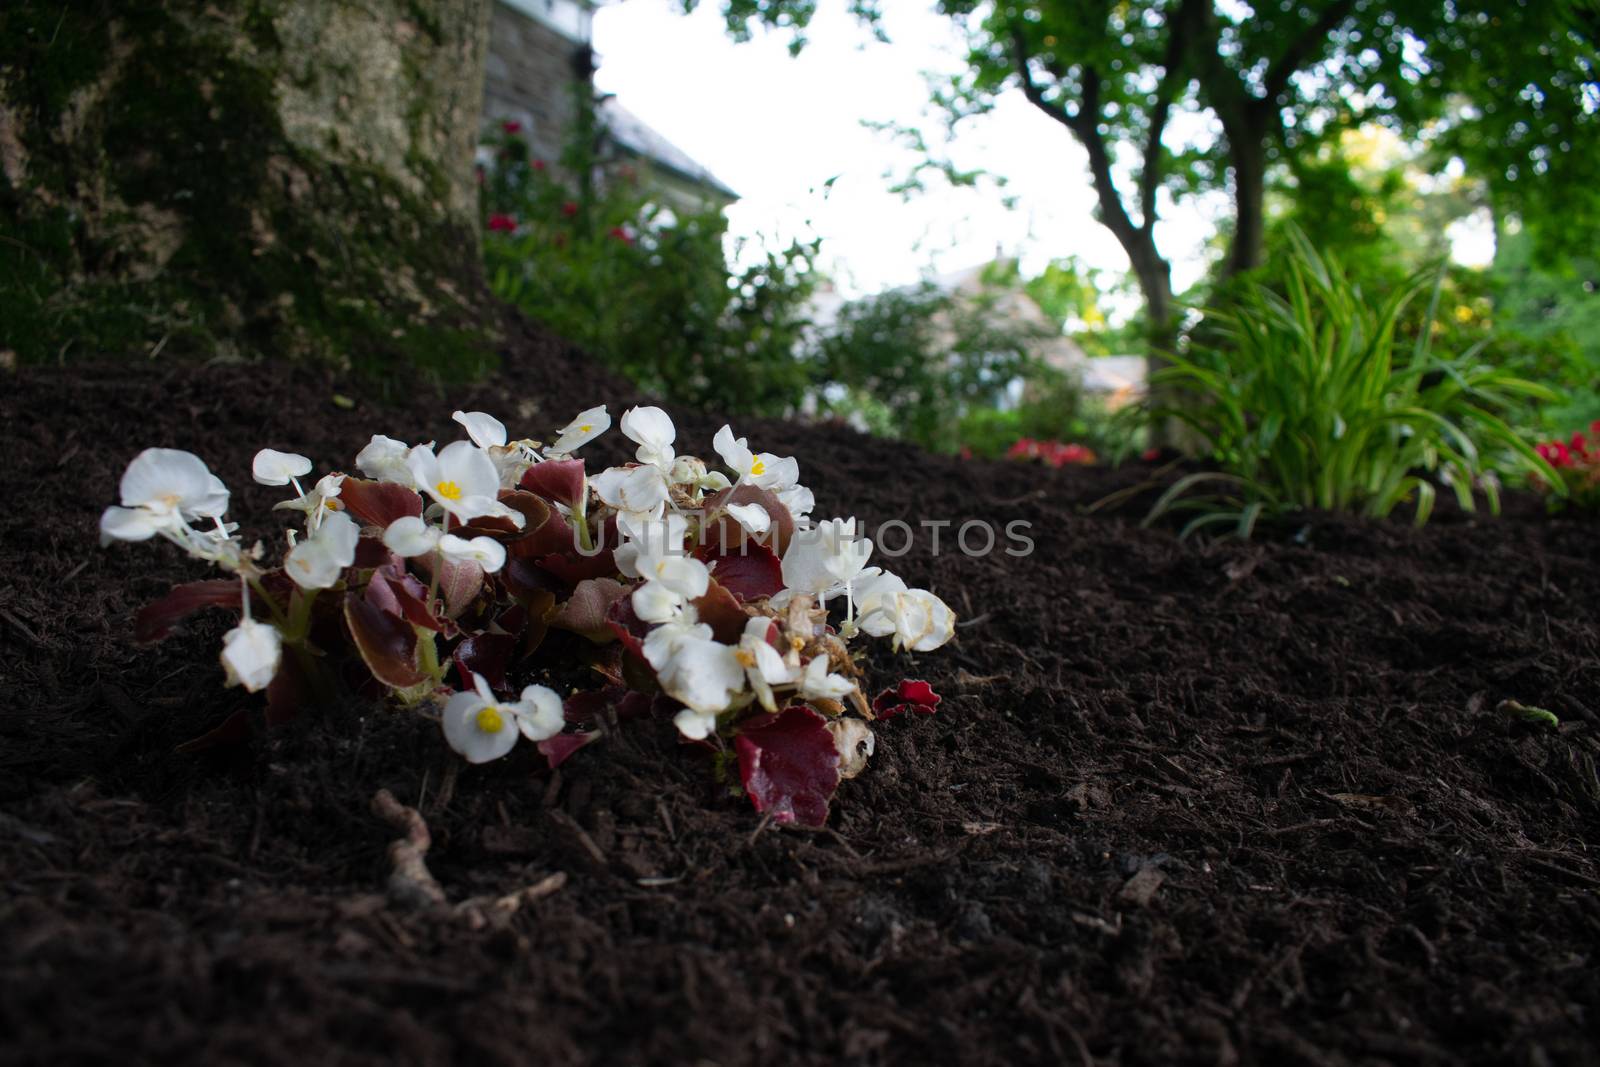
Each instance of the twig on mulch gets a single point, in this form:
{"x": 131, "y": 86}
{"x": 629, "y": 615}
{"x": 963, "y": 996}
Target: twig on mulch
{"x": 412, "y": 885}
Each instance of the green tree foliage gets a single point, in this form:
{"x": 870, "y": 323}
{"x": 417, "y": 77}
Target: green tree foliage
{"x": 592, "y": 253}
{"x": 1508, "y": 85}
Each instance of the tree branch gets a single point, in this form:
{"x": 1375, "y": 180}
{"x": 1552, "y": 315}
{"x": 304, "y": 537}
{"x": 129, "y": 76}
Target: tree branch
{"x": 1300, "y": 50}
{"x": 1173, "y": 77}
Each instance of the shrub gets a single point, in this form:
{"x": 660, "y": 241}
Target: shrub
{"x": 1576, "y": 462}
{"x": 1307, "y": 400}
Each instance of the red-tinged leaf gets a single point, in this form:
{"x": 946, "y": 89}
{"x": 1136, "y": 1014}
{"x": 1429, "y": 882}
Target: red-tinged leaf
{"x": 234, "y": 730}
{"x": 378, "y": 503}
{"x": 553, "y": 536}
{"x": 789, "y": 765}
{"x": 535, "y": 513}
{"x": 460, "y": 582}
{"x": 372, "y": 552}
{"x": 574, "y": 567}
{"x": 725, "y": 531}
{"x": 411, "y": 598}
{"x": 559, "y": 480}
{"x": 910, "y": 695}
{"x": 558, "y": 749}
{"x": 720, "y": 610}
{"x": 156, "y": 620}
{"x": 488, "y": 655}
{"x": 748, "y": 571}
{"x": 591, "y": 705}
{"x": 387, "y": 643}
{"x": 586, "y": 610}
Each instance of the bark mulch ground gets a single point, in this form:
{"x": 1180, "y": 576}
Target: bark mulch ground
{"x": 1183, "y": 803}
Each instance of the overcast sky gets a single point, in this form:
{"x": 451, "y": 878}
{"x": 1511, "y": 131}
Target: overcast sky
{"x": 777, "y": 128}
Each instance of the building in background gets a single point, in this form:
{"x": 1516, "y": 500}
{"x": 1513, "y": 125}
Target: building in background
{"x": 540, "y": 56}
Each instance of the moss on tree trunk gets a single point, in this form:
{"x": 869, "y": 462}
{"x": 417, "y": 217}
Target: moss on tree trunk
{"x": 255, "y": 179}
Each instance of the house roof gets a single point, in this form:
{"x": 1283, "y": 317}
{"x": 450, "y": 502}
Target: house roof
{"x": 635, "y": 136}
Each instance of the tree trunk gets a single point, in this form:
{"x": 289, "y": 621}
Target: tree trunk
{"x": 1248, "y": 155}
{"x": 263, "y": 178}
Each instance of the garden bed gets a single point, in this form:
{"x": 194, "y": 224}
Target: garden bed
{"x": 1205, "y": 803}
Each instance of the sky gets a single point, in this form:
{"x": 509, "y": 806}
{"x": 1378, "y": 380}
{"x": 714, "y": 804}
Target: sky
{"x": 778, "y": 128}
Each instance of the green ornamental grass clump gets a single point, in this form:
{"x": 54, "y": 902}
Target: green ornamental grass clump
{"x": 1310, "y": 400}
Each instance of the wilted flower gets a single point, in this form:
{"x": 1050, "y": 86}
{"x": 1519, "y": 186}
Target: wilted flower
{"x": 762, "y": 664}
{"x": 251, "y": 653}
{"x": 817, "y": 684}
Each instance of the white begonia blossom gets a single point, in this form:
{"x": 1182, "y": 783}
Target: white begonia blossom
{"x": 798, "y": 499}
{"x": 410, "y": 536}
{"x": 251, "y": 653}
{"x": 318, "y": 560}
{"x": 875, "y": 593}
{"x": 485, "y": 430}
{"x": 705, "y": 676}
{"x": 825, "y": 558}
{"x": 384, "y": 460}
{"x": 461, "y": 479}
{"x": 671, "y": 582}
{"x": 641, "y": 489}
{"x": 581, "y": 430}
{"x": 652, "y": 430}
{"x": 915, "y": 618}
{"x": 486, "y": 552}
{"x": 322, "y": 499}
{"x": 763, "y": 666}
{"x": 764, "y": 470}
{"x": 817, "y": 684}
{"x": 662, "y": 642}
{"x": 271, "y": 467}
{"x": 162, "y": 490}
{"x": 752, "y": 517}
{"x": 483, "y": 728}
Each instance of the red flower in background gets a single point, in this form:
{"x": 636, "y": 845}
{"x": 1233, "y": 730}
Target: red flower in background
{"x": 511, "y": 127}
{"x": 1054, "y": 453}
{"x": 502, "y": 223}
{"x": 622, "y": 235}
{"x": 570, "y": 208}
{"x": 538, "y": 164}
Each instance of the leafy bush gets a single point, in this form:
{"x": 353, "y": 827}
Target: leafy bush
{"x": 1053, "y": 408}
{"x": 591, "y": 253}
{"x": 1309, "y": 401}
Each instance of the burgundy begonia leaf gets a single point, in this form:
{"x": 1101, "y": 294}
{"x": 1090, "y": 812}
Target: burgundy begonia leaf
{"x": 910, "y": 695}
{"x": 535, "y": 513}
{"x": 558, "y": 480}
{"x": 488, "y": 655}
{"x": 789, "y": 765}
{"x": 725, "y": 531}
{"x": 460, "y": 582}
{"x": 558, "y": 749}
{"x": 720, "y": 610}
{"x": 749, "y": 571}
{"x": 586, "y": 611}
{"x": 387, "y": 643}
{"x": 156, "y": 620}
{"x": 575, "y": 567}
{"x": 411, "y": 599}
{"x": 372, "y": 552}
{"x": 554, "y": 535}
{"x": 378, "y": 503}
{"x": 591, "y": 705}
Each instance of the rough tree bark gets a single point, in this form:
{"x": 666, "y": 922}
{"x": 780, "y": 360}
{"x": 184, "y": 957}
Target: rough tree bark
{"x": 260, "y": 178}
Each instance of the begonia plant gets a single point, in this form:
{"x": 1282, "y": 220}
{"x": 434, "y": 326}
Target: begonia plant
{"x": 700, "y": 595}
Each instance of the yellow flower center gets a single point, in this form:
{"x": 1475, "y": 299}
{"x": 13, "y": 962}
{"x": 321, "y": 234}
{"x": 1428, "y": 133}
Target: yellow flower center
{"x": 489, "y": 720}
{"x": 758, "y": 468}
{"x": 586, "y": 427}
{"x": 448, "y": 490}
{"x": 745, "y": 657}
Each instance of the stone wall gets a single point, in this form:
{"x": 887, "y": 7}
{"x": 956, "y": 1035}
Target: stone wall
{"x": 531, "y": 74}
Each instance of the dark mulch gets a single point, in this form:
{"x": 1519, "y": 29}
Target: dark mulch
{"x": 1182, "y": 803}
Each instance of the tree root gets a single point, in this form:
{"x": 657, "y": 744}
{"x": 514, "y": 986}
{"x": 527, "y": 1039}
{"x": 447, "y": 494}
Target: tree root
{"x": 412, "y": 886}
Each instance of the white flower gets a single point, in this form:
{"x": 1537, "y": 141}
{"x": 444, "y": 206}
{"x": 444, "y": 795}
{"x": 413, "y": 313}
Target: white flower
{"x": 671, "y": 582}
{"x": 638, "y": 489}
{"x": 462, "y": 479}
{"x": 704, "y": 676}
{"x": 162, "y": 489}
{"x": 915, "y": 618}
{"x": 322, "y": 498}
{"x": 482, "y": 728}
{"x": 484, "y": 551}
{"x": 271, "y": 467}
{"x": 409, "y": 536}
{"x": 317, "y": 561}
{"x": 817, "y": 684}
{"x": 581, "y": 430}
{"x": 825, "y": 558}
{"x": 752, "y": 517}
{"x": 763, "y": 666}
{"x": 251, "y": 653}
{"x": 652, "y": 429}
{"x": 764, "y": 470}
{"x": 485, "y": 430}
{"x": 799, "y": 500}
{"x": 662, "y": 642}
{"x": 384, "y": 460}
